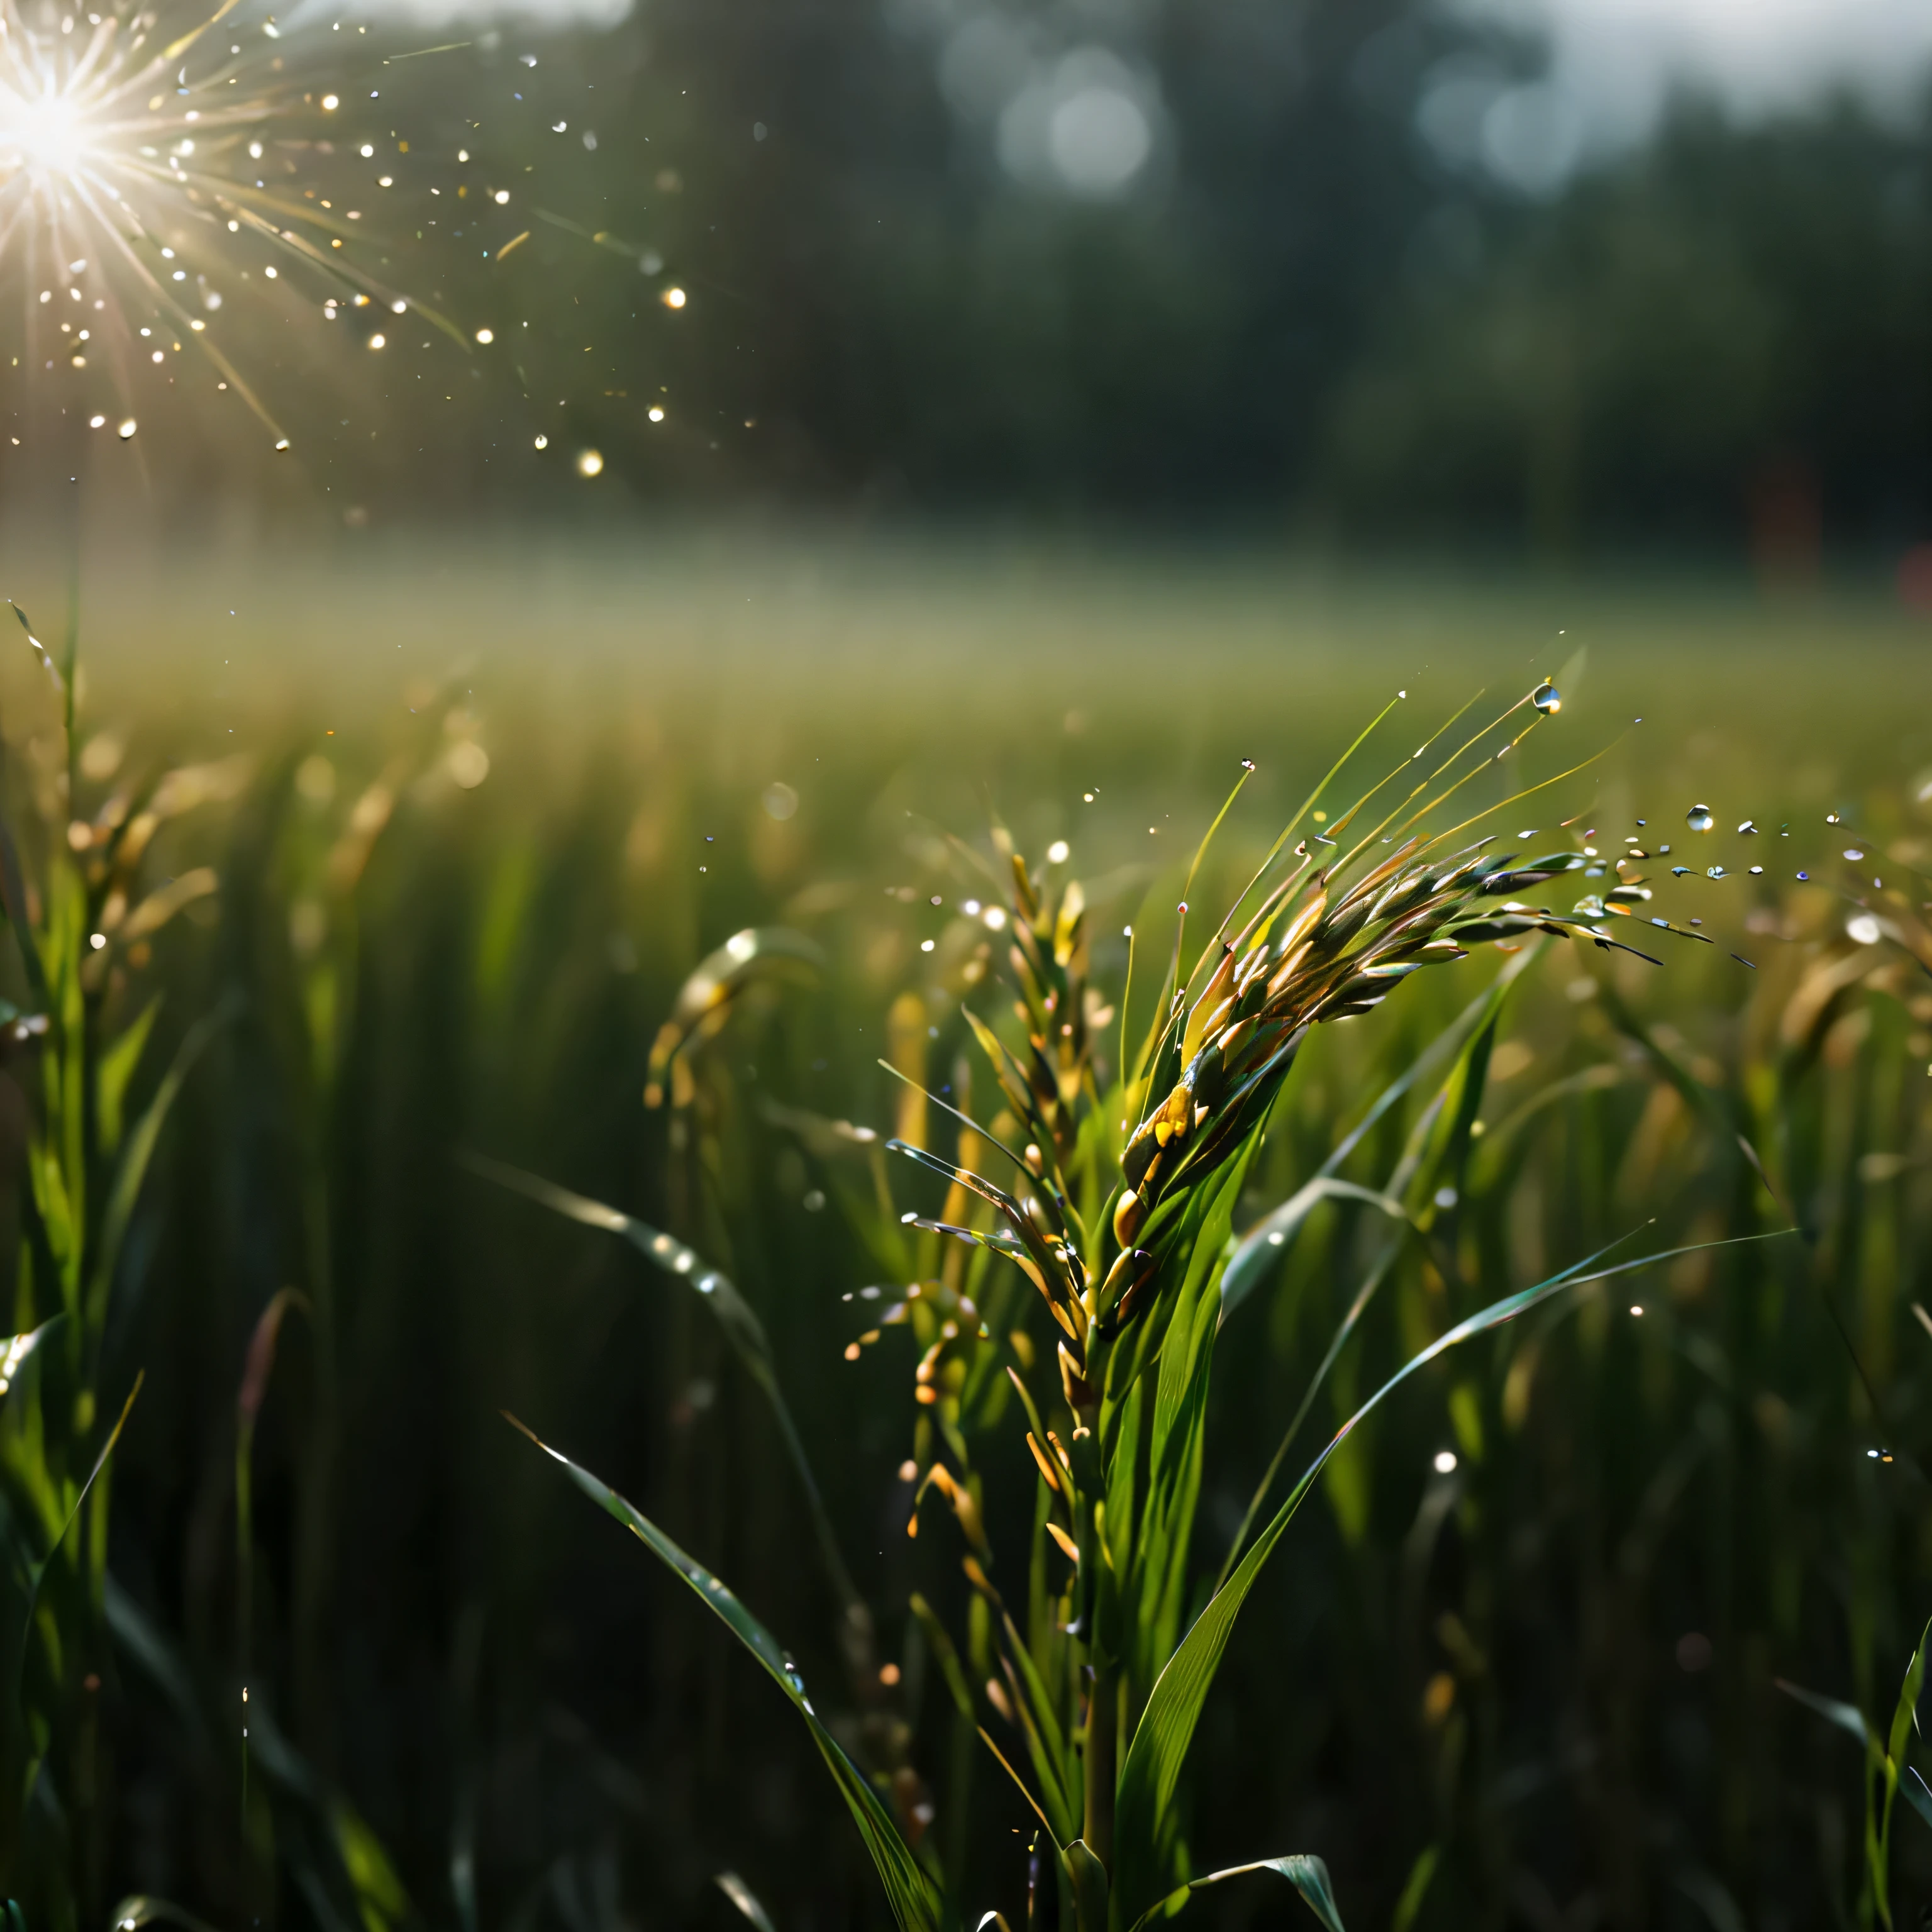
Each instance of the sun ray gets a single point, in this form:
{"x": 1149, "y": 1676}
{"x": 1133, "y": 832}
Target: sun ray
{"x": 145, "y": 170}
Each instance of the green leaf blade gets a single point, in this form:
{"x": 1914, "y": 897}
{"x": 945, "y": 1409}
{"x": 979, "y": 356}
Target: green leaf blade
{"x": 912, "y": 1894}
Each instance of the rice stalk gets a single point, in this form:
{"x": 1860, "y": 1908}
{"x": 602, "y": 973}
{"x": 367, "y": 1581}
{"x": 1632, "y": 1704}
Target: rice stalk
{"x": 1116, "y": 1209}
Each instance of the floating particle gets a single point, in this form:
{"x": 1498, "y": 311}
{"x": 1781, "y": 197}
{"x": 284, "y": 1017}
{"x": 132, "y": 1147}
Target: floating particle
{"x": 589, "y": 462}
{"x": 126, "y": 432}
{"x": 486, "y": 336}
{"x": 1863, "y": 929}
{"x": 673, "y": 298}
{"x": 656, "y": 412}
{"x": 543, "y": 443}
{"x": 780, "y": 801}
{"x": 1445, "y": 1462}
{"x": 1057, "y": 852}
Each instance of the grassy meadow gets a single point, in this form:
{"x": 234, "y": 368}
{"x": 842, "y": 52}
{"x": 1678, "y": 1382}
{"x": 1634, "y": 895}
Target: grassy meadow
{"x": 456, "y": 835}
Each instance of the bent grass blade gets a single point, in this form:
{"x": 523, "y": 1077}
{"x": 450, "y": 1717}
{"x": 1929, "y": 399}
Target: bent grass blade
{"x": 1307, "y": 1874}
{"x": 913, "y": 1897}
{"x": 1154, "y": 1760}
{"x": 735, "y": 1316}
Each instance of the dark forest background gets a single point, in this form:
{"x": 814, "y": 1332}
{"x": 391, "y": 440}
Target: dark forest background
{"x": 1304, "y": 314}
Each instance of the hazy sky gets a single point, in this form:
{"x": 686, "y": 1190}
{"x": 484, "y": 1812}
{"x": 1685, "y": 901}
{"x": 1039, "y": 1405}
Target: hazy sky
{"x": 1619, "y": 58}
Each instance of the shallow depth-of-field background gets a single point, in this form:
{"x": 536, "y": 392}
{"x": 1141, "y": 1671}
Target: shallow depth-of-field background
{"x": 490, "y": 810}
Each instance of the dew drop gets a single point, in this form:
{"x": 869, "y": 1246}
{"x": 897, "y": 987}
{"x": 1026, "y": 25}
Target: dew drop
{"x": 1700, "y": 818}
{"x": 1547, "y": 699}
{"x": 1852, "y": 852}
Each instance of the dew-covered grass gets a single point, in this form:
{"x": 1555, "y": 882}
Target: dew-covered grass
{"x": 1518, "y": 1656}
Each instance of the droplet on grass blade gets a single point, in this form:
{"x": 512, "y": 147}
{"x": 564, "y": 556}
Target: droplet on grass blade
{"x": 1700, "y": 818}
{"x": 1547, "y": 699}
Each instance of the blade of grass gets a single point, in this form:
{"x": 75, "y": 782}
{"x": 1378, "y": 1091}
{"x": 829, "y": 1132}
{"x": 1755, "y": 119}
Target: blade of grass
{"x": 1307, "y": 1874}
{"x": 913, "y": 1897}
{"x": 1154, "y": 1760}
{"x": 742, "y": 1329}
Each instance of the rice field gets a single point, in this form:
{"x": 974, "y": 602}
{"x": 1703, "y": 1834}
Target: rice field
{"x": 461, "y": 824}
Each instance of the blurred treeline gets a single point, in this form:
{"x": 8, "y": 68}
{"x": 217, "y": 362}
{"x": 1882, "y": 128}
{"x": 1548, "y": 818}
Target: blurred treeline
{"x": 1298, "y": 312}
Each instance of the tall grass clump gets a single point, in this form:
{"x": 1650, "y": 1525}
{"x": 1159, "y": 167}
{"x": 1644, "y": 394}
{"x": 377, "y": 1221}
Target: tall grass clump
{"x": 82, "y": 910}
{"x": 1105, "y": 1202}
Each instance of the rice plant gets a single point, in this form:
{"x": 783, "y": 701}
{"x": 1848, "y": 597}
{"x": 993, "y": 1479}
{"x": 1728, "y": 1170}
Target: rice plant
{"x": 1117, "y": 1210}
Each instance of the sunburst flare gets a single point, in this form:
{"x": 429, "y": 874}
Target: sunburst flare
{"x": 154, "y": 180}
